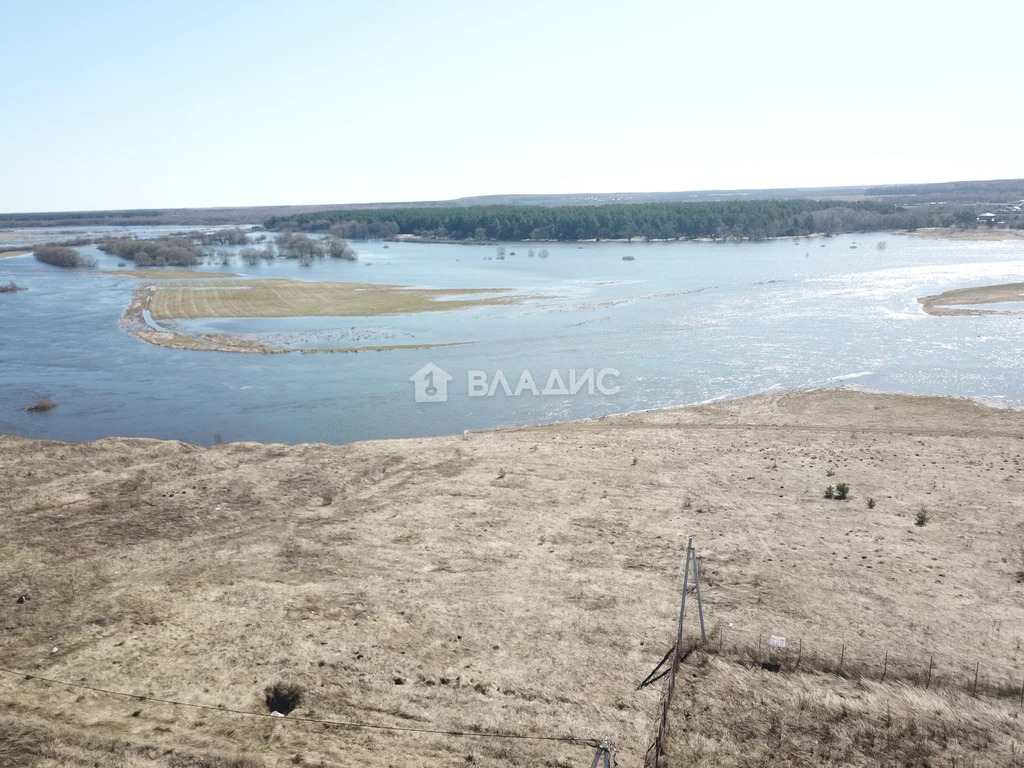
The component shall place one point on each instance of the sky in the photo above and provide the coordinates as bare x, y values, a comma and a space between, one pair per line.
112, 104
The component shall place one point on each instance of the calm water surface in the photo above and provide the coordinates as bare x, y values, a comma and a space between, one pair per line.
682, 323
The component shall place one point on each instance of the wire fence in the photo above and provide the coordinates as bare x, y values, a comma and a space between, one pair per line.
786, 655
778, 653
782, 654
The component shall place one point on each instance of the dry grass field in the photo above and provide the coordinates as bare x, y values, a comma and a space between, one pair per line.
519, 582
185, 299
948, 303
292, 298
729, 715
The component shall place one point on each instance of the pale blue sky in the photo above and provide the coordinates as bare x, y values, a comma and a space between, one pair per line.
136, 104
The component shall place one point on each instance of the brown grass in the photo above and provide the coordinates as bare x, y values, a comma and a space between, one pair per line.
948, 303
291, 298
531, 603
727, 714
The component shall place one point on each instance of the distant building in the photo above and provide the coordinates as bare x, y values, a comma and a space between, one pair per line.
987, 218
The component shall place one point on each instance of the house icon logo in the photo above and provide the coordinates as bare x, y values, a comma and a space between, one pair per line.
431, 384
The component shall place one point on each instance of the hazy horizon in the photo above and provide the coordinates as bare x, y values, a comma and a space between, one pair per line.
485, 195
127, 106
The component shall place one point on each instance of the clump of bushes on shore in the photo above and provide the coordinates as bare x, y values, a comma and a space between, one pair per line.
233, 236
161, 251
840, 492
62, 256
305, 248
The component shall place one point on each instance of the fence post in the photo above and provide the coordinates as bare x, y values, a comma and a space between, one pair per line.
842, 655
1022, 693
700, 603
974, 690
799, 653
682, 603
885, 668
931, 660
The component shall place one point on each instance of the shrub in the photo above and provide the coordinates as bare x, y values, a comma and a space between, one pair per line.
42, 406
501, 473
921, 518
11, 287
62, 256
842, 491
871, 503
160, 251
830, 492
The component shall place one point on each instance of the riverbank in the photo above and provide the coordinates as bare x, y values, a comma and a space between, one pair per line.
957, 302
977, 233
474, 583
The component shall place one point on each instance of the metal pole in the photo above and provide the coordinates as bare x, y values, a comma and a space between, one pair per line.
682, 604
700, 603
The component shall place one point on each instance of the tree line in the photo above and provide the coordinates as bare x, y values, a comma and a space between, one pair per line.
186, 252
748, 219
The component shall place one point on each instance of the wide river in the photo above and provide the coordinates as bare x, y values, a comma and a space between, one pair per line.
681, 323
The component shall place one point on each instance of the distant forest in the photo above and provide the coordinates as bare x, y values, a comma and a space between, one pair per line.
731, 216
1000, 191
753, 219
